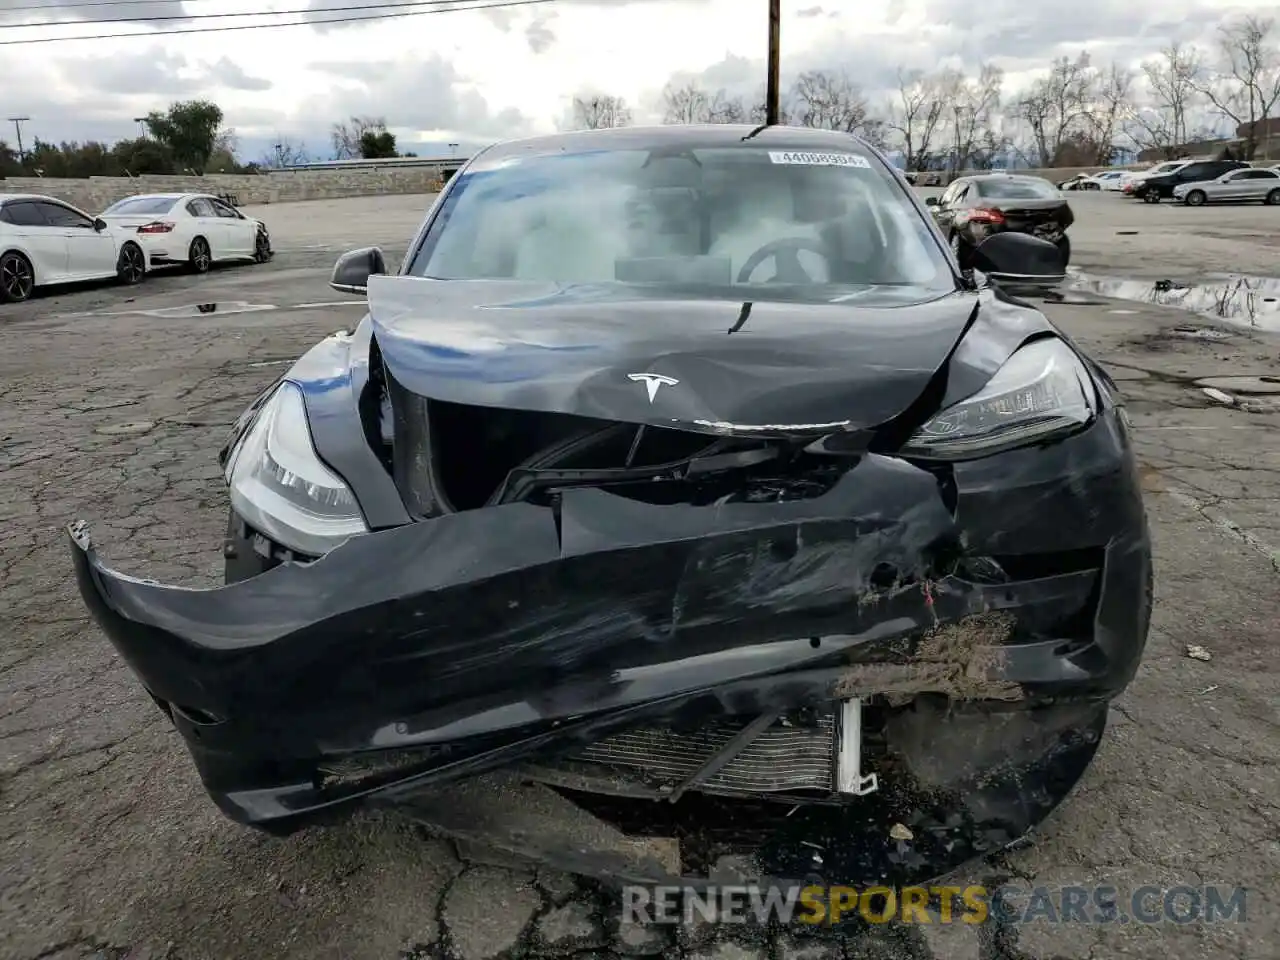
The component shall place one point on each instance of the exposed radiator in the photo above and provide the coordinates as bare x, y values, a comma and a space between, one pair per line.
786, 757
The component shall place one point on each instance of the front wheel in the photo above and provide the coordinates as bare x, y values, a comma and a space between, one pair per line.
17, 278
131, 267
1273, 198
262, 251
1151, 196
1196, 198
962, 250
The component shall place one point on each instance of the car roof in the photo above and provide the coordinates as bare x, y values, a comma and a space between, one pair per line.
689, 136
1024, 178
158, 196
8, 197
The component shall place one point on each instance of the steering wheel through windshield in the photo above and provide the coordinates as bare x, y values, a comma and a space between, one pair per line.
784, 252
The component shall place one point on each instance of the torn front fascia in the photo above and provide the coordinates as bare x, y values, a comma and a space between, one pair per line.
499, 623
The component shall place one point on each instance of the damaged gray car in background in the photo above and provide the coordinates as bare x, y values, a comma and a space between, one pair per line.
679, 499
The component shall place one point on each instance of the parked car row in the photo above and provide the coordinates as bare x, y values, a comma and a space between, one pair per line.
973, 208
1197, 182
45, 241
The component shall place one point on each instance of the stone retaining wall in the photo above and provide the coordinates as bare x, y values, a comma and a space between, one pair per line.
1055, 174
95, 194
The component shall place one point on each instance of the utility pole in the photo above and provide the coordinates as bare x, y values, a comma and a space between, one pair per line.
17, 125
772, 93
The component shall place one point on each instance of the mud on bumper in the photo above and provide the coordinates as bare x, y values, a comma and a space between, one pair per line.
523, 637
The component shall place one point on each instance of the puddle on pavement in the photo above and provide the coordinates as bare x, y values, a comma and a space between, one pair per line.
1201, 333
203, 309
1252, 385
1244, 300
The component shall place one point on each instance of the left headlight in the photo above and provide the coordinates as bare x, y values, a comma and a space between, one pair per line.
1042, 391
280, 487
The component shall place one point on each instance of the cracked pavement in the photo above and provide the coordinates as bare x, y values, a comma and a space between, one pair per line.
111, 848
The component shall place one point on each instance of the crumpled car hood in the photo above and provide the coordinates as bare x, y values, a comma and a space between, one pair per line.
723, 364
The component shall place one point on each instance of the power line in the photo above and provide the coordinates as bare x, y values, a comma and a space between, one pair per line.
93, 3
245, 13
268, 26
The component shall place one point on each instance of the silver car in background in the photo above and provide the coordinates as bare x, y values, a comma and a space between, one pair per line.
1250, 184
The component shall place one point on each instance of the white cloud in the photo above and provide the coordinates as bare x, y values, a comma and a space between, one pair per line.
471, 77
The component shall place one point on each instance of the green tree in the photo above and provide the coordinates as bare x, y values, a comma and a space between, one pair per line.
141, 156
90, 159
10, 166
377, 144
190, 130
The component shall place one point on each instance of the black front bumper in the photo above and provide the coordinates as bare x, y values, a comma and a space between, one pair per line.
512, 635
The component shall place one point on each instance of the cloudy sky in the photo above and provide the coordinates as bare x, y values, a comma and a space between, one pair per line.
475, 76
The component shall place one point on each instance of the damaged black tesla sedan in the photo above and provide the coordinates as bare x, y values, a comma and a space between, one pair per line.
678, 473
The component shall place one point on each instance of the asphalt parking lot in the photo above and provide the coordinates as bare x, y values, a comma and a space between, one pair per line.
112, 405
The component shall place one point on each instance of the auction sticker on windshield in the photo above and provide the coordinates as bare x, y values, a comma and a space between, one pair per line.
819, 159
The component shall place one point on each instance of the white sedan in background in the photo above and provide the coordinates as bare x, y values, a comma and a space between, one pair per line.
1108, 179
43, 241
194, 229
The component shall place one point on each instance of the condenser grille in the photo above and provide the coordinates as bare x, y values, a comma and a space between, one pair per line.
785, 757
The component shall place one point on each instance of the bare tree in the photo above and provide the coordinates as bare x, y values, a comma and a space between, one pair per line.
1162, 123
726, 109
990, 144
596, 111
758, 112
1057, 104
831, 101
971, 108
226, 141
916, 116
346, 137
284, 153
1112, 90
1244, 84
685, 103
689, 103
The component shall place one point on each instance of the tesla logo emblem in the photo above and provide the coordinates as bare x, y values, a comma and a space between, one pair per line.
652, 381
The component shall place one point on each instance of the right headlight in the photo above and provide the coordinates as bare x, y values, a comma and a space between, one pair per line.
282, 489
1042, 391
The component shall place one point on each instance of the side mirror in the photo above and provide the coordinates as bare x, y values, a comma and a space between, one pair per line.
1020, 260
931, 201
352, 271
99, 224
